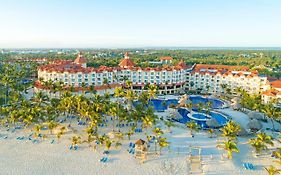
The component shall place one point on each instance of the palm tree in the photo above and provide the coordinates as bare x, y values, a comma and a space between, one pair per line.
231, 130
211, 132
162, 143
52, 125
152, 91
108, 144
129, 84
130, 96
263, 137
147, 122
61, 132
230, 147
130, 133
37, 129
157, 132
169, 124
257, 145
76, 140
193, 127
260, 143
272, 112
40, 98
271, 170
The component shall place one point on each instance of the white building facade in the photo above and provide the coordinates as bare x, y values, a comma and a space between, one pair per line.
170, 79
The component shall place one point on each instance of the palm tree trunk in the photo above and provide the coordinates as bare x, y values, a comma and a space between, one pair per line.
273, 126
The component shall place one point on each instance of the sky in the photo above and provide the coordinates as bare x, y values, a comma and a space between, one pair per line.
139, 23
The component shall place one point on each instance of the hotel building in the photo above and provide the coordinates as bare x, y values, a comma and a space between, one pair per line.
169, 78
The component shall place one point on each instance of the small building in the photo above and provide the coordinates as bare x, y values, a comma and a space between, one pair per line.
166, 60
140, 150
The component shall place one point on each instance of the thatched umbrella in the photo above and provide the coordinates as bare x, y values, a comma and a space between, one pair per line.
255, 115
254, 125
183, 100
213, 123
174, 114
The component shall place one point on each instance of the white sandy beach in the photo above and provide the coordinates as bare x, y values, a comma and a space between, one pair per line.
22, 157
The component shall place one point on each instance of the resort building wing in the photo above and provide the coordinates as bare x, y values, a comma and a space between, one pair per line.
169, 78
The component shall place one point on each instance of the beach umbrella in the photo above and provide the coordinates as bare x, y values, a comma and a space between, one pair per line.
183, 100
213, 123
174, 114
255, 115
254, 124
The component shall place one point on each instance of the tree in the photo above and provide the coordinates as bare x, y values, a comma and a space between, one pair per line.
211, 132
52, 125
130, 133
231, 130
193, 127
271, 170
260, 142
162, 143
108, 144
76, 140
230, 147
169, 124
157, 132
152, 91
272, 112
61, 132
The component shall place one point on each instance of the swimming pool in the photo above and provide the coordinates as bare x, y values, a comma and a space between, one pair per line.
162, 104
201, 118
216, 103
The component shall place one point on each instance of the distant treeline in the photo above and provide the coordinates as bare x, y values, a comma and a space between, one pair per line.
267, 61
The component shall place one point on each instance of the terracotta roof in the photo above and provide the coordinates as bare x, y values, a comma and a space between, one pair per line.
166, 58
220, 67
272, 93
80, 59
276, 84
182, 64
140, 142
126, 62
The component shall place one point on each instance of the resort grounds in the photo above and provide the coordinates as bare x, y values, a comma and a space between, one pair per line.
52, 156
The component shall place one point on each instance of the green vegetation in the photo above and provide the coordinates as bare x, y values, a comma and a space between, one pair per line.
266, 61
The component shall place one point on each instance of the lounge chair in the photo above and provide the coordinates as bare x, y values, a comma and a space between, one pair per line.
248, 166
104, 159
75, 147
35, 141
53, 141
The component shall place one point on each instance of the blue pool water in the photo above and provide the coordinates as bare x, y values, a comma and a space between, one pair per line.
162, 104
183, 112
198, 99
219, 117
199, 116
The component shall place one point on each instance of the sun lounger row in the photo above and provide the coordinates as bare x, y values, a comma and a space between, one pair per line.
131, 145
4, 137
81, 123
71, 117
138, 130
131, 151
62, 120
75, 147
104, 159
248, 166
